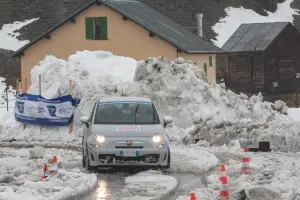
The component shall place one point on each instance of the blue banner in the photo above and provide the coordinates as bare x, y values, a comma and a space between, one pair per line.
37, 110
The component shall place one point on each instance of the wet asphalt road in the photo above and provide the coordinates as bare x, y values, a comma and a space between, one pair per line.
110, 183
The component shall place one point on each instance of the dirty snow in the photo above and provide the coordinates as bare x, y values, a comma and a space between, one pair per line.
9, 34
272, 175
20, 176
228, 25
201, 110
147, 185
195, 160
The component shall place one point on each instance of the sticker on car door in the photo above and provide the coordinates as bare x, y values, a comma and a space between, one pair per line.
128, 128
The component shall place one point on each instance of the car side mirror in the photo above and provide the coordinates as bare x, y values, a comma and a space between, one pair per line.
84, 120
167, 120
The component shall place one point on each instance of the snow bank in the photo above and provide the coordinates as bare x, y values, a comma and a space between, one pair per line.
9, 35
208, 111
273, 175
201, 110
20, 177
236, 16
94, 75
148, 185
185, 159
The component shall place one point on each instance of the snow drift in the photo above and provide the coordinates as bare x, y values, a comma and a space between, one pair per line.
179, 88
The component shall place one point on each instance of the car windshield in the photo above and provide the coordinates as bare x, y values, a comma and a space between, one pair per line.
126, 113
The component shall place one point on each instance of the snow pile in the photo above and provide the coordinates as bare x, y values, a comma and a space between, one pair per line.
200, 110
210, 112
196, 160
93, 74
20, 177
148, 185
228, 25
9, 35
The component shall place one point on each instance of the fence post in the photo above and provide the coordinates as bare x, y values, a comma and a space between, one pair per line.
6, 99
40, 91
70, 92
17, 86
25, 90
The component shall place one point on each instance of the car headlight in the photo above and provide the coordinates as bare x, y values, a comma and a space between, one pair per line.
156, 138
100, 138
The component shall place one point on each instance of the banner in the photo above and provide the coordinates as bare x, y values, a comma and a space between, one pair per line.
35, 109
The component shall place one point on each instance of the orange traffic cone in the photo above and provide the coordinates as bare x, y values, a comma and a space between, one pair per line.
54, 159
45, 170
192, 196
245, 169
224, 193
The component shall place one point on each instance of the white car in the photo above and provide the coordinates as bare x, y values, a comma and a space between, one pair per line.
125, 131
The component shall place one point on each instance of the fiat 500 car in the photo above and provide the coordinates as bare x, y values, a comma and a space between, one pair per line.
125, 131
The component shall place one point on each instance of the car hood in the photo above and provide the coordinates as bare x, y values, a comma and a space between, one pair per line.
127, 130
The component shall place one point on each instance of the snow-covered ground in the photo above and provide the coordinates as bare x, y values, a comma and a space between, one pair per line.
9, 34
273, 175
147, 185
228, 25
21, 171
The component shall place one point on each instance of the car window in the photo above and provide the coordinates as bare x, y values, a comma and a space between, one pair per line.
126, 113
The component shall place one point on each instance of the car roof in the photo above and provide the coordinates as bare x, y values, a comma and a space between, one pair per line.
118, 99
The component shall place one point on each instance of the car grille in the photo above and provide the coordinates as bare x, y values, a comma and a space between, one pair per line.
129, 147
111, 158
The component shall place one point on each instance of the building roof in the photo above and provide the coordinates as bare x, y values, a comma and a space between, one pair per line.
253, 36
149, 19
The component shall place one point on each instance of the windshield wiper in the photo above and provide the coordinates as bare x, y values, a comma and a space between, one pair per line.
135, 113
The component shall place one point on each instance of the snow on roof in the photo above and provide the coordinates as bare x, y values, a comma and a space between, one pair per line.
237, 16
8, 35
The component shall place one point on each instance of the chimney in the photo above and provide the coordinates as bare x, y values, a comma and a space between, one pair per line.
199, 24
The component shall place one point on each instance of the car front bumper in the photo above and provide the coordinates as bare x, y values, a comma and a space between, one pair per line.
115, 157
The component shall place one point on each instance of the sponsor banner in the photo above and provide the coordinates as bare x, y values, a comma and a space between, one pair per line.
37, 110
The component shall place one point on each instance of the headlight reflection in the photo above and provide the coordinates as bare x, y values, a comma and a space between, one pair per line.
102, 191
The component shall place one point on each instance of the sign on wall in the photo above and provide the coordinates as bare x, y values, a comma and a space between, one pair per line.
37, 110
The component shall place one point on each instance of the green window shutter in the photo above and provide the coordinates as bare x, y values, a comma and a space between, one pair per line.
205, 68
89, 28
210, 61
103, 28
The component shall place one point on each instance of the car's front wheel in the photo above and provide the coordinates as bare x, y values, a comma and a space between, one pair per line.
85, 159
168, 163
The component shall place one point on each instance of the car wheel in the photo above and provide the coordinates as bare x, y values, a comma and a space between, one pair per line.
168, 164
169, 160
86, 160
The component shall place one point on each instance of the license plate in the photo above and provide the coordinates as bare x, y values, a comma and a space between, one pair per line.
128, 154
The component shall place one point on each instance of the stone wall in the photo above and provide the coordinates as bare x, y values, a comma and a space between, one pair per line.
10, 68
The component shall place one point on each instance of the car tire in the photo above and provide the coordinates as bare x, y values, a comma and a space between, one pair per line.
85, 159
169, 160
167, 167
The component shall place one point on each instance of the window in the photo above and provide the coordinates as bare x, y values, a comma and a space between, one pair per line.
210, 61
126, 113
205, 68
96, 28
